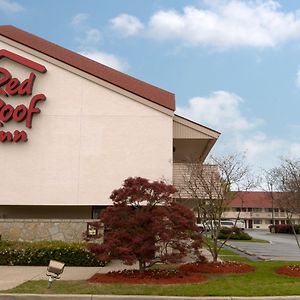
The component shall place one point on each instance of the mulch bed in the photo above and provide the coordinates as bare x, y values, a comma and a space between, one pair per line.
219, 267
148, 277
293, 270
187, 273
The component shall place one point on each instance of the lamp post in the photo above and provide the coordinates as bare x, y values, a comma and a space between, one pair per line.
272, 199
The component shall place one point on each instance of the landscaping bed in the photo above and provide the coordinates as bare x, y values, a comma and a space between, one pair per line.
148, 277
293, 270
187, 273
219, 267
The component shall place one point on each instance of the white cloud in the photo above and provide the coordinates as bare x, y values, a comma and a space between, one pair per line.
10, 7
87, 36
226, 24
221, 110
107, 59
91, 37
298, 78
261, 150
79, 20
126, 24
295, 150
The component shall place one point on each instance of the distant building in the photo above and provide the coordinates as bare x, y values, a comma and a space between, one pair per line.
258, 209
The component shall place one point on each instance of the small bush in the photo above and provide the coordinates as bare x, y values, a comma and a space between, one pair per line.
40, 253
284, 228
234, 233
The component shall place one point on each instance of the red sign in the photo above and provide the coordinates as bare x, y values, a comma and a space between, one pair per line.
11, 86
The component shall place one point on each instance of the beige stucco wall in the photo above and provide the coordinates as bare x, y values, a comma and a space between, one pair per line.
87, 139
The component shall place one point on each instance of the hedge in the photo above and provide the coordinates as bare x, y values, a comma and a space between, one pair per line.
234, 233
40, 253
284, 228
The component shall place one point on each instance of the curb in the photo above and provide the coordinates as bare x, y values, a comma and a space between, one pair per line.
128, 297
246, 252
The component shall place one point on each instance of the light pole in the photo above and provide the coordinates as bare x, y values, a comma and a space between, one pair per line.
271, 186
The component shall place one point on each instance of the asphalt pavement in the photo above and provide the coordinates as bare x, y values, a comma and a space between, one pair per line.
281, 247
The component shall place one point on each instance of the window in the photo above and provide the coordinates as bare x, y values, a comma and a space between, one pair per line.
257, 210
250, 209
268, 210
96, 210
258, 221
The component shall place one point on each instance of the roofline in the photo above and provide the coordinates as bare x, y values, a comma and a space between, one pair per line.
117, 78
198, 124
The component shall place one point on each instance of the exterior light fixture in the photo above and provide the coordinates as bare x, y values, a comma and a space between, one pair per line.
54, 270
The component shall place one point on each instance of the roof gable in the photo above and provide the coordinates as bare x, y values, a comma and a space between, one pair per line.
124, 81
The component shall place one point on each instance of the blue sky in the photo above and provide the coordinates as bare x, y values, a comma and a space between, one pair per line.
233, 65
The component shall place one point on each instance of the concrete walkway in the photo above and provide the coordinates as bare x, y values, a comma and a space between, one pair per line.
12, 276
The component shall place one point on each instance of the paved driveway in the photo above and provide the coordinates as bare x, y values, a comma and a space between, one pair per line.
281, 247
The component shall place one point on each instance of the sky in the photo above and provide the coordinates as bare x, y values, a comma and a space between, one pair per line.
233, 65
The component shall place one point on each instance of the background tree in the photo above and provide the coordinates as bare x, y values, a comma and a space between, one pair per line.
286, 179
212, 188
146, 225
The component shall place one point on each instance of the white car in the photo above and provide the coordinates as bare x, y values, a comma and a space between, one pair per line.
207, 226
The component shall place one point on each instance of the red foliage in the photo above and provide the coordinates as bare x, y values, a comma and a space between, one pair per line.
293, 270
147, 277
146, 225
219, 267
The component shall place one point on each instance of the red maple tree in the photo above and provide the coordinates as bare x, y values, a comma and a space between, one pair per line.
146, 225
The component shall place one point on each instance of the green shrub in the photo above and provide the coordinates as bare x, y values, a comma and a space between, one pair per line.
40, 253
234, 233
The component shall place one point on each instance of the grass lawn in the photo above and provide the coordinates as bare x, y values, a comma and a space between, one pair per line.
262, 282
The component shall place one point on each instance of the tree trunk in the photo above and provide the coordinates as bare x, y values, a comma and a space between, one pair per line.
294, 231
215, 247
142, 266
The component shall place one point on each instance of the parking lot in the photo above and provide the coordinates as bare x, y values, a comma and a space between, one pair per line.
281, 247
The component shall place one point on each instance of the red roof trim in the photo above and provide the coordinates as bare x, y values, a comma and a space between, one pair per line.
23, 61
256, 199
126, 82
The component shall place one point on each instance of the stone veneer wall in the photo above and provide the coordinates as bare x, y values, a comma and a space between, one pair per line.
43, 229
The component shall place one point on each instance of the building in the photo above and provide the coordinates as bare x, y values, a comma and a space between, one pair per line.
258, 209
72, 130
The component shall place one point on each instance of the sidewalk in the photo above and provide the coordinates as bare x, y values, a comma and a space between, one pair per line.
12, 276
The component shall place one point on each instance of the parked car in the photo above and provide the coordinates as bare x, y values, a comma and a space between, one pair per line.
207, 226
201, 227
